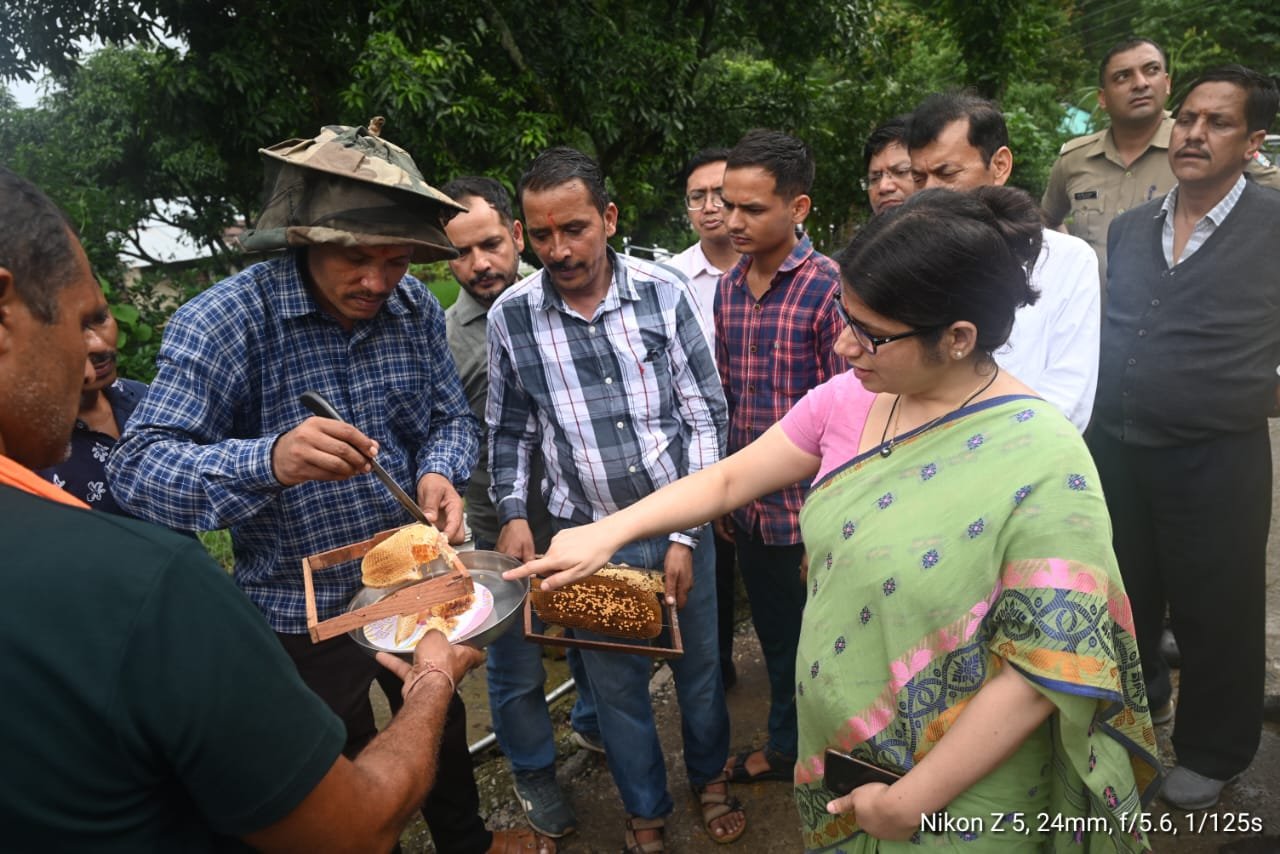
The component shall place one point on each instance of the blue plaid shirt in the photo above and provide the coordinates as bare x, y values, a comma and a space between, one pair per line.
622, 403
196, 454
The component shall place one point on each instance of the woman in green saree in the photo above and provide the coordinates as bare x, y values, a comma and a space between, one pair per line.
966, 626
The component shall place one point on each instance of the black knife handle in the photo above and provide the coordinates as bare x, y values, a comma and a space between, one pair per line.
316, 402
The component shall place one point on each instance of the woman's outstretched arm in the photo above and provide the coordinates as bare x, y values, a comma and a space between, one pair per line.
766, 465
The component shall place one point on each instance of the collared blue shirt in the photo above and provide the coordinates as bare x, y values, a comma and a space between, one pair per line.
197, 453
84, 472
620, 403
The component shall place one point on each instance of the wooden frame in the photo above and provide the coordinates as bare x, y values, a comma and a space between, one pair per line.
406, 600
670, 626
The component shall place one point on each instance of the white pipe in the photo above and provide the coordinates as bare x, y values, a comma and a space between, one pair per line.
490, 740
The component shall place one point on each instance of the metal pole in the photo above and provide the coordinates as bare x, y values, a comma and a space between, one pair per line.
490, 740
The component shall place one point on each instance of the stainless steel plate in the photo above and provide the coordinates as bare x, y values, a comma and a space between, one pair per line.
486, 568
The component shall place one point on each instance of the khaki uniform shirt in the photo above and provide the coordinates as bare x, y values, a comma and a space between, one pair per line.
1090, 186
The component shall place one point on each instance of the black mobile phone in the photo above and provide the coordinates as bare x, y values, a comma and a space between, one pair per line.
844, 773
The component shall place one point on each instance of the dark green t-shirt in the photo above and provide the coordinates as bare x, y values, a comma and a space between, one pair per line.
144, 703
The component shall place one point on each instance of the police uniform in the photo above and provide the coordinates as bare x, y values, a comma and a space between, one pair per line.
1090, 186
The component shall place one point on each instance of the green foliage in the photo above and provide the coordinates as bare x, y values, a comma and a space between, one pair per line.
142, 308
446, 290
1034, 118
438, 279
634, 83
218, 545
75, 148
165, 121
1000, 40
1198, 35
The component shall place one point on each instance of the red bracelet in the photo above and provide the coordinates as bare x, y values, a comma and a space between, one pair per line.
419, 672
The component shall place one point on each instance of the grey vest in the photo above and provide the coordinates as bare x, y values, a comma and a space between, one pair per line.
1190, 353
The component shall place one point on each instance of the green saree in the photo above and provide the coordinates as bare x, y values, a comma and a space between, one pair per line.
979, 543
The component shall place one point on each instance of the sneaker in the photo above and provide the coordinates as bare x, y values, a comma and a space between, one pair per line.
1162, 714
1185, 789
588, 742
544, 804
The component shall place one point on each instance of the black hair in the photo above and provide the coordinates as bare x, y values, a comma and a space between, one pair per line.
894, 130
560, 165
982, 245
1261, 96
783, 156
482, 187
37, 245
1126, 45
702, 158
987, 130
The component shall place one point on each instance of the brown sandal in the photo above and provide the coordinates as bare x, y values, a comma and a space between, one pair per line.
653, 846
715, 806
518, 841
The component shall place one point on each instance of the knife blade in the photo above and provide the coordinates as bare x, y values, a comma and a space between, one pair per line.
316, 402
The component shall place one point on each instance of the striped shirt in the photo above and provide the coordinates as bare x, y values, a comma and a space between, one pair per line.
1205, 227
196, 455
620, 404
770, 352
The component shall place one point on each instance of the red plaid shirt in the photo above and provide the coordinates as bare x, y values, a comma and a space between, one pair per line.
770, 352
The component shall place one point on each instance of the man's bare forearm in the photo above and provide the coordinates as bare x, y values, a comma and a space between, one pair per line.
399, 766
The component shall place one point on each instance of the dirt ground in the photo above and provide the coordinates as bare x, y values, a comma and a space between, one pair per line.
773, 825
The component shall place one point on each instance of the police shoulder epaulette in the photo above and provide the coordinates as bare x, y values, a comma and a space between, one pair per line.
1080, 141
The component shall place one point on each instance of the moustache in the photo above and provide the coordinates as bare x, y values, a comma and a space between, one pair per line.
1192, 150
564, 267
102, 358
490, 280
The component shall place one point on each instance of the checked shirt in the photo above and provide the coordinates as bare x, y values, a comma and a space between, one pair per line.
771, 351
196, 455
620, 404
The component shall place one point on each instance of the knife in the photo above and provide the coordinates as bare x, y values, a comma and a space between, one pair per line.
316, 402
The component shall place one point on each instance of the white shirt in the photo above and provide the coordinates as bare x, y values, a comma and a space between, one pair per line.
703, 277
1054, 344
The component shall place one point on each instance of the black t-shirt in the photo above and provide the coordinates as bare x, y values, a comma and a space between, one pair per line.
146, 705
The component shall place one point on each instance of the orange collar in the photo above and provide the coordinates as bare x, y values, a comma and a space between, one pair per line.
21, 477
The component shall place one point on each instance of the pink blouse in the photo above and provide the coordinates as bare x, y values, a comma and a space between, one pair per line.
828, 421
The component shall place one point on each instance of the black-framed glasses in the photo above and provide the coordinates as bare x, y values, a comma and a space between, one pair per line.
699, 199
866, 340
898, 171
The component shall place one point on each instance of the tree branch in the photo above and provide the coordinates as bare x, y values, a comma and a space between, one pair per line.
508, 41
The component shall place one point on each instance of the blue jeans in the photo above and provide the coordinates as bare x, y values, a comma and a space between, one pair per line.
620, 683
771, 575
517, 699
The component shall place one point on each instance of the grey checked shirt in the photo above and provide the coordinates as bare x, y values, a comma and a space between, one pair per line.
621, 403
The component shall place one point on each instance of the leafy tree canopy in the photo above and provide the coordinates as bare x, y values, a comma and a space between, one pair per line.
166, 119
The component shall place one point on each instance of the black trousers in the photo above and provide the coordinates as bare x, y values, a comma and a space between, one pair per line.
771, 575
341, 673
1190, 529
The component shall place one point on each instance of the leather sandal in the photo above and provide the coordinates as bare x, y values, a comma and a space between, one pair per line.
780, 767
521, 841
717, 805
653, 846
